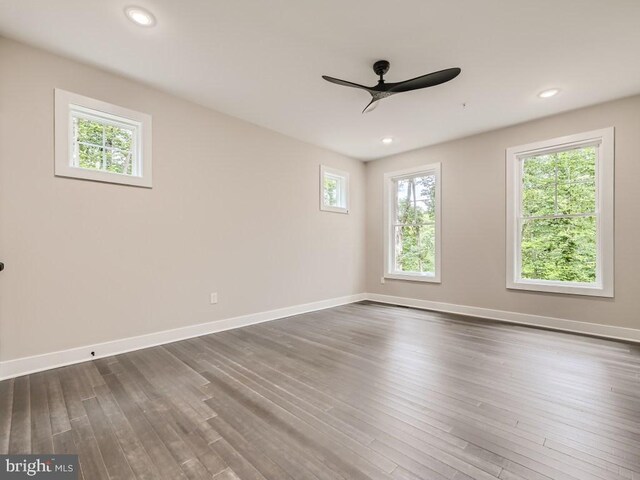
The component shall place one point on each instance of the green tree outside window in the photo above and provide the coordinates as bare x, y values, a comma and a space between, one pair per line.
558, 216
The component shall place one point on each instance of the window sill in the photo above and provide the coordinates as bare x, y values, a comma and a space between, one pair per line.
101, 176
413, 277
557, 287
334, 209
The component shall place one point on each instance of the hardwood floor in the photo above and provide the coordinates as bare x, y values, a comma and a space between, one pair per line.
355, 392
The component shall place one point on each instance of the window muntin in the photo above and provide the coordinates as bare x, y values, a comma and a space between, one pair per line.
95, 140
334, 190
558, 218
104, 144
414, 224
413, 216
560, 215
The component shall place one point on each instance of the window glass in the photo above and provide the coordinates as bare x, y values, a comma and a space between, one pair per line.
412, 242
558, 216
103, 146
334, 190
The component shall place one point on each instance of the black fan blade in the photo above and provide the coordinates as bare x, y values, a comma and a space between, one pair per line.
345, 83
424, 81
371, 106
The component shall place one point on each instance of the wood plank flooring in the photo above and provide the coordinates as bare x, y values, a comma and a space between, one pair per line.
362, 391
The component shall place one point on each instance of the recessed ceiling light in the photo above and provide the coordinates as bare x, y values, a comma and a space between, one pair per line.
140, 16
552, 92
387, 140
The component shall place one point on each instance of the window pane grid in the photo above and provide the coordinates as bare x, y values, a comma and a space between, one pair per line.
103, 145
558, 219
98, 141
414, 224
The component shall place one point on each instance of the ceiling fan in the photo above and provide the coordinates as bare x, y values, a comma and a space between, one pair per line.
384, 90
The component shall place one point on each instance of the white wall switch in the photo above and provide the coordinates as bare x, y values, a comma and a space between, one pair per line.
382, 280
214, 298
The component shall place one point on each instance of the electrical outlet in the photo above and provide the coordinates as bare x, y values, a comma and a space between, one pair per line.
382, 280
214, 298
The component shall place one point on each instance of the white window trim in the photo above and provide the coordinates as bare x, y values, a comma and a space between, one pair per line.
603, 286
336, 173
64, 103
389, 213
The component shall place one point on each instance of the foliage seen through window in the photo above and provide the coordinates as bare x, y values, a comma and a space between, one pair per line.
102, 146
558, 216
415, 224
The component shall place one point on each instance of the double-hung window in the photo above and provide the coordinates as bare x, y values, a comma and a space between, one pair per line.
99, 141
560, 215
412, 223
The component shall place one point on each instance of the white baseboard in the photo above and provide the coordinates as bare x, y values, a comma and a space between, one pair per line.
573, 326
37, 363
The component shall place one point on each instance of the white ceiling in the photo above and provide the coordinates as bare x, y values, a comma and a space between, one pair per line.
262, 60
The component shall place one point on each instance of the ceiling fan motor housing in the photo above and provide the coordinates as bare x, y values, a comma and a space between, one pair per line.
381, 67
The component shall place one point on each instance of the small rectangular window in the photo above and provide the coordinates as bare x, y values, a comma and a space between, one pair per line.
334, 190
560, 215
103, 142
412, 218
